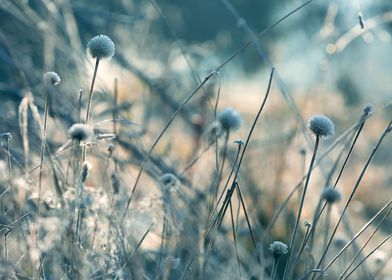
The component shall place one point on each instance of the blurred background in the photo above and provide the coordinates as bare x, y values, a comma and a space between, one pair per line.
332, 58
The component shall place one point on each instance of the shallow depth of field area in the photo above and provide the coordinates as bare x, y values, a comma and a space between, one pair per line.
209, 139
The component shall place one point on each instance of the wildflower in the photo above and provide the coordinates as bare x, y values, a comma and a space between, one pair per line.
278, 248
331, 195
230, 119
79, 132
52, 78
321, 126
101, 46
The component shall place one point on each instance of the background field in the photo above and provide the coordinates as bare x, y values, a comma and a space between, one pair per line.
74, 227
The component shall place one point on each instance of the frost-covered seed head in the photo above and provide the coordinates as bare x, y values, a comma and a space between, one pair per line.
331, 195
321, 126
52, 78
230, 119
79, 132
168, 179
101, 46
278, 248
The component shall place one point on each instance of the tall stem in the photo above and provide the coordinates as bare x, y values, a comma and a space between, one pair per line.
291, 249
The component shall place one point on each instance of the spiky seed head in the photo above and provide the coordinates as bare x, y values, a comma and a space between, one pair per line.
230, 119
79, 132
331, 195
278, 248
321, 126
51, 79
101, 46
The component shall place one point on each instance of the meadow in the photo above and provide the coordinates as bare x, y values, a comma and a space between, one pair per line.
254, 143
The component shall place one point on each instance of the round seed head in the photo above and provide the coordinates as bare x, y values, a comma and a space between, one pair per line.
340, 241
168, 180
101, 46
331, 195
278, 248
230, 119
52, 78
321, 126
79, 132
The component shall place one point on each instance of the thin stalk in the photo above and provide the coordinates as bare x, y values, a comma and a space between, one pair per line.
274, 268
327, 225
90, 98
366, 243
368, 255
248, 222
291, 247
389, 203
308, 228
359, 180
43, 143
235, 239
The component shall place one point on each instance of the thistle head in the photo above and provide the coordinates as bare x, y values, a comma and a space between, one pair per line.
101, 46
230, 119
51, 79
278, 248
321, 126
331, 195
79, 132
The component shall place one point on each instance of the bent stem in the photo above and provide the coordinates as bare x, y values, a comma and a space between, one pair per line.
288, 265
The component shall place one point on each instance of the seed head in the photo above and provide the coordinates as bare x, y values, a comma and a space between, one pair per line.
230, 119
101, 46
168, 179
79, 132
321, 126
278, 248
331, 195
52, 78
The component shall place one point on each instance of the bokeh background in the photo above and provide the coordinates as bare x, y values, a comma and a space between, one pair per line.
326, 61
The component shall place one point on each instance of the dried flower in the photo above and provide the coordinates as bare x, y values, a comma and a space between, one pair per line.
321, 126
101, 46
278, 248
52, 78
230, 119
79, 132
331, 195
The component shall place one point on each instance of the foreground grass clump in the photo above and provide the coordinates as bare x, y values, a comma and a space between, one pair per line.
194, 186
